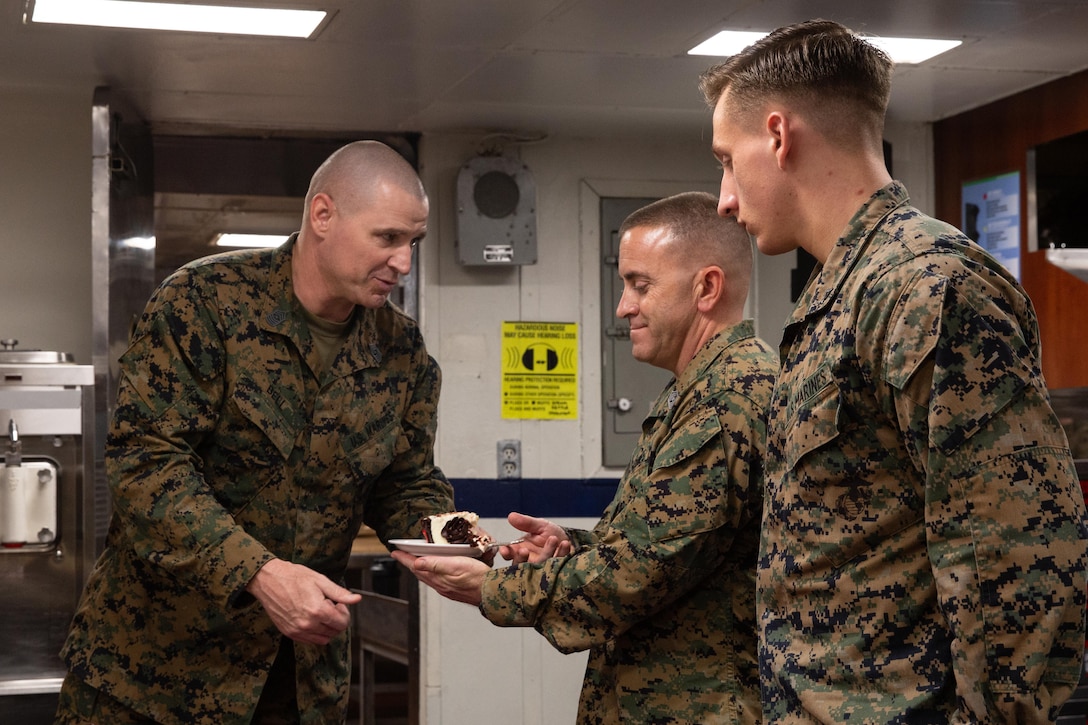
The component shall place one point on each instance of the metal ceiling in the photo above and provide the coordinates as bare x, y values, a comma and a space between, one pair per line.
535, 66
531, 67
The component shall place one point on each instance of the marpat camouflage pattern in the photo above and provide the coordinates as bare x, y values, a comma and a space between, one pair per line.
227, 449
662, 591
923, 554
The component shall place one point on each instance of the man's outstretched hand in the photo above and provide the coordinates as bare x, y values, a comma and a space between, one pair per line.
542, 540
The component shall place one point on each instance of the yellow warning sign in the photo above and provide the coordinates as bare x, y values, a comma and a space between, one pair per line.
540, 370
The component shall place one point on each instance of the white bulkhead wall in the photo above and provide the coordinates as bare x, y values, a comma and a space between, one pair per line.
462, 308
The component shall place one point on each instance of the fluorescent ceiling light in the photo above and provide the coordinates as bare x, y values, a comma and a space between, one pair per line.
913, 50
138, 242
176, 16
231, 239
727, 42
900, 50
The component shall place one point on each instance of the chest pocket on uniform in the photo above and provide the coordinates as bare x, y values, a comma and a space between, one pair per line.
686, 498
688, 443
815, 419
369, 450
264, 411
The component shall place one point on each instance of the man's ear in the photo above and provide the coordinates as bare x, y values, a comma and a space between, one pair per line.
320, 212
780, 136
709, 288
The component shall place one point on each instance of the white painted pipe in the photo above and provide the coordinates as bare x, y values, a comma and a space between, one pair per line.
13, 506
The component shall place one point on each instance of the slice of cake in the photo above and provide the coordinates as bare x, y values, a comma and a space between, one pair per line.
457, 527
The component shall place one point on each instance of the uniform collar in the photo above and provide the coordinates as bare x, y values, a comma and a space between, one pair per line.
279, 313
282, 314
827, 279
703, 359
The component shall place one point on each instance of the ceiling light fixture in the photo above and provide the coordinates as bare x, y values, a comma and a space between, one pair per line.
234, 239
911, 51
900, 50
727, 42
280, 22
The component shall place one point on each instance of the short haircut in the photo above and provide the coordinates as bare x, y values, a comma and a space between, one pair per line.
701, 236
837, 78
354, 172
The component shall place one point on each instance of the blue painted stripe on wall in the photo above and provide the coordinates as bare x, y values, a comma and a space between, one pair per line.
544, 497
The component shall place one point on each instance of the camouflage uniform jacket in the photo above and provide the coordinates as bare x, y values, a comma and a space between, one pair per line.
923, 552
226, 450
662, 590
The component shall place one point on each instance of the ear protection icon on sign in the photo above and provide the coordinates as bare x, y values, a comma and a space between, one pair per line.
539, 356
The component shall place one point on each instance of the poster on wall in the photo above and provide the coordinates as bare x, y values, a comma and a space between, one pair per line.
991, 217
540, 370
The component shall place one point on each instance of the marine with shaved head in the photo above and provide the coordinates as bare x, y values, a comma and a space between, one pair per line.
270, 403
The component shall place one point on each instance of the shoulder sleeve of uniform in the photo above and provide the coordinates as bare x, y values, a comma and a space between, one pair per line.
175, 329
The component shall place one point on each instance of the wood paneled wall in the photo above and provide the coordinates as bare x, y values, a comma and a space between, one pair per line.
995, 139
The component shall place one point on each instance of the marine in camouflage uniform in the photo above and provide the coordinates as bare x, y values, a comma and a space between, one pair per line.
234, 443
924, 544
662, 590
923, 553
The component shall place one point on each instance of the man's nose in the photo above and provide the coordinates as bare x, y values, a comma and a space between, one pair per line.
625, 308
727, 203
402, 260
727, 198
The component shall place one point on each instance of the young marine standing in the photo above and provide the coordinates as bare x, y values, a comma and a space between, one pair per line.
923, 548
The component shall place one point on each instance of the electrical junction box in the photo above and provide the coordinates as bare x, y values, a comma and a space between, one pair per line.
496, 212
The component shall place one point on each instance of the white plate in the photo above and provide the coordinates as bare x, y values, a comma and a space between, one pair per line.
422, 547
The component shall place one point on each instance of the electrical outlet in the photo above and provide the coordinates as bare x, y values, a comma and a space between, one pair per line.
509, 454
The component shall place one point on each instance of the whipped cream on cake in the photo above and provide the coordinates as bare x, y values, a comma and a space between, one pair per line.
456, 527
